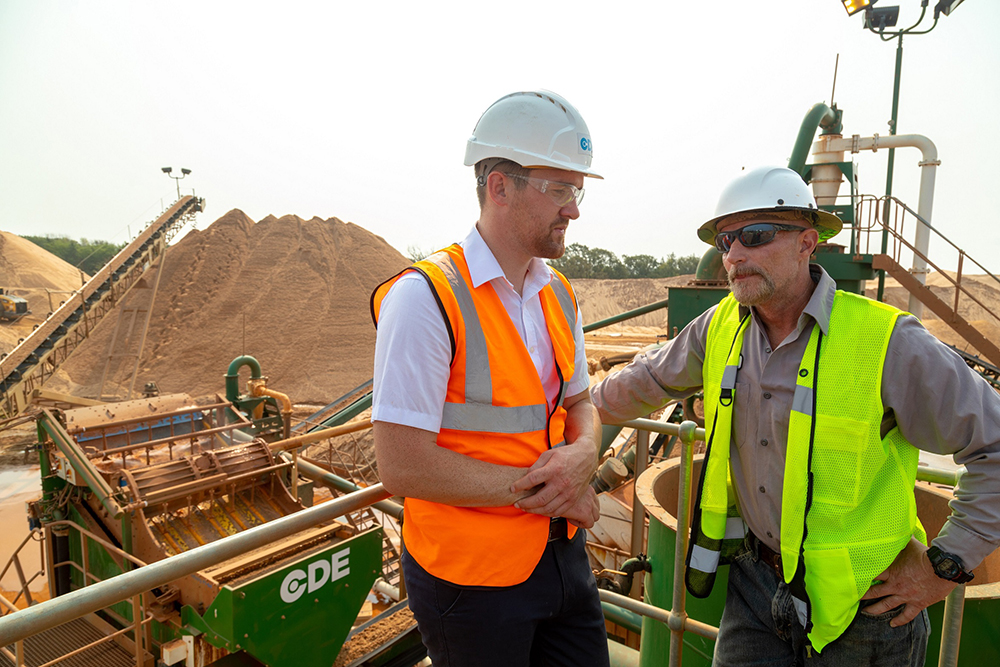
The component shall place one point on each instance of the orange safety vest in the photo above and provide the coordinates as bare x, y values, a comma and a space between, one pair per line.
495, 410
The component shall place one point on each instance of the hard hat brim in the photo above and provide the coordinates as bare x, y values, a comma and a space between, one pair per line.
827, 224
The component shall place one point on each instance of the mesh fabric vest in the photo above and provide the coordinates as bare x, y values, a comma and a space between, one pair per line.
496, 411
847, 498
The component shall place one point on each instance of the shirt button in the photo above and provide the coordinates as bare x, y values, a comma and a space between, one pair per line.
768, 350
767, 394
763, 443
769, 534
761, 489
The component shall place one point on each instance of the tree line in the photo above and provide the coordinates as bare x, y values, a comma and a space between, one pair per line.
579, 261
84, 254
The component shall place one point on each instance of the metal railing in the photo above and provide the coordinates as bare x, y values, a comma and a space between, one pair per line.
872, 229
676, 618
142, 641
15, 627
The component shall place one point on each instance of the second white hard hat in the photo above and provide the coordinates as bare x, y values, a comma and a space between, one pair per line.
768, 189
535, 129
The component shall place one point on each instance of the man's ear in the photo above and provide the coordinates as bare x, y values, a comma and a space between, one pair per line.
496, 188
809, 241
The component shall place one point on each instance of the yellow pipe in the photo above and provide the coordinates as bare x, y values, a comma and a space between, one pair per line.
316, 436
258, 388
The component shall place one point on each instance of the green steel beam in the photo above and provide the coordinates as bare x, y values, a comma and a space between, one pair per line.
627, 315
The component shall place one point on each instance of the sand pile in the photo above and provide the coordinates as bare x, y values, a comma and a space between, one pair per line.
27, 271
600, 299
302, 286
984, 288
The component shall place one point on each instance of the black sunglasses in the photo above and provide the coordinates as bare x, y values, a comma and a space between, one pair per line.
756, 234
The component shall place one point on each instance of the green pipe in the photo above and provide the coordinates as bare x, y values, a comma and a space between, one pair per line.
939, 476
710, 266
317, 474
345, 415
233, 375
621, 655
819, 116
627, 315
629, 620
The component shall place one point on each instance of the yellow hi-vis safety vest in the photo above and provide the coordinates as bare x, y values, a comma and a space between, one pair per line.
848, 506
496, 411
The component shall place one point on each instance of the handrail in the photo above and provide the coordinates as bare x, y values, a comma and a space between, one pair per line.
45, 615
677, 619
876, 204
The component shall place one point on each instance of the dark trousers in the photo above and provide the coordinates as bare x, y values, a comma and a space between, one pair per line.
553, 618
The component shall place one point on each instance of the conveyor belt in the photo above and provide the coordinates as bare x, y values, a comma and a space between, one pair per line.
38, 356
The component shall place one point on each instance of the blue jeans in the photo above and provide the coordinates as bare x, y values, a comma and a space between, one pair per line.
552, 619
759, 627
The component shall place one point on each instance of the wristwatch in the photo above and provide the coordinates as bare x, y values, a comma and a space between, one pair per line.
948, 566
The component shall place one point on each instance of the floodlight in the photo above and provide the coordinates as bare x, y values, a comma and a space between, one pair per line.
185, 171
881, 18
167, 170
945, 7
855, 6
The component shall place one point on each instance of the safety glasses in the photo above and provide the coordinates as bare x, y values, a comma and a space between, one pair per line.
759, 233
560, 193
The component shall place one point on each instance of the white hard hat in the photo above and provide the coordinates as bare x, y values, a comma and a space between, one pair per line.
535, 129
767, 189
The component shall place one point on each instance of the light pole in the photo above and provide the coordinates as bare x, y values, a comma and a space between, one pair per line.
877, 19
184, 172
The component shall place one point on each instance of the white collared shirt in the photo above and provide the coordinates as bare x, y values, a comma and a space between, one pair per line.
413, 351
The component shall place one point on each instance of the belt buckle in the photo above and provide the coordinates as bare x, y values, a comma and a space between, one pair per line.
557, 529
776, 564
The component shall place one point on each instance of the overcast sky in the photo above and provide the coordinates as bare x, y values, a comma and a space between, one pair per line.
361, 110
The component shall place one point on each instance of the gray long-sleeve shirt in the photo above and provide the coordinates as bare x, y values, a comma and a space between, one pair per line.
939, 403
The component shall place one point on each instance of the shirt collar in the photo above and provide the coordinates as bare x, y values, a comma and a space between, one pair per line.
820, 305
484, 267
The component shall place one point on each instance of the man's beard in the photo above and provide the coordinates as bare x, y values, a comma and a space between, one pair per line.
544, 246
751, 293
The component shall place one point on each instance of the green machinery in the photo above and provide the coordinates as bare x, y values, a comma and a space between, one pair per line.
134, 483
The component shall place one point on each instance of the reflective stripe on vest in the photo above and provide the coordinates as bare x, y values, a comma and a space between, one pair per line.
847, 496
495, 412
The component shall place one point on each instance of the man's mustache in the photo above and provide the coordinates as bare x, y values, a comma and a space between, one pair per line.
743, 270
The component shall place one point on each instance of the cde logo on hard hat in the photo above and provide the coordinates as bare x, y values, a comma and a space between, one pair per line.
585, 145
317, 574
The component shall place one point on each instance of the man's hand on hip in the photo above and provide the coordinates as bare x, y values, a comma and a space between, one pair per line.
910, 580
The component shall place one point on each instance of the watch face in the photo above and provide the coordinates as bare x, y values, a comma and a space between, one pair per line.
948, 568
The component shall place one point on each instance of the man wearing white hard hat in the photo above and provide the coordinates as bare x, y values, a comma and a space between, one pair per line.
481, 411
816, 403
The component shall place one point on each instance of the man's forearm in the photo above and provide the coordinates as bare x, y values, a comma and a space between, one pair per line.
583, 425
412, 465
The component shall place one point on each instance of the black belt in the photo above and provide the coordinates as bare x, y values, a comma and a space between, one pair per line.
764, 553
557, 529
